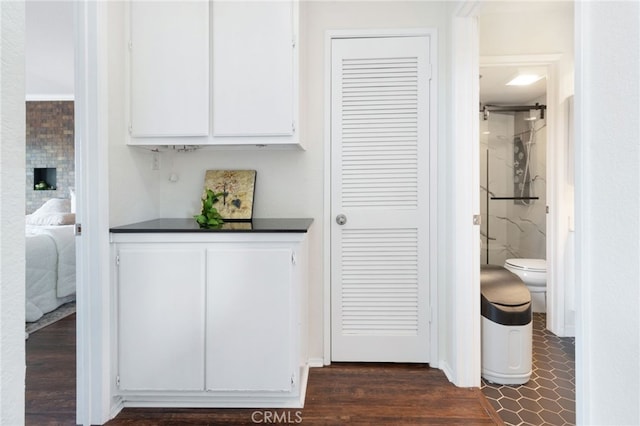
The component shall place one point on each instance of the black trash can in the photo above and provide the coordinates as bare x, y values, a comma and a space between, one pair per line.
506, 326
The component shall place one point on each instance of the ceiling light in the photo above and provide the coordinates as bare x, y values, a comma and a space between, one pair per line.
524, 80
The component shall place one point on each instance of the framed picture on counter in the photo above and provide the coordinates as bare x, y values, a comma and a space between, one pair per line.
237, 188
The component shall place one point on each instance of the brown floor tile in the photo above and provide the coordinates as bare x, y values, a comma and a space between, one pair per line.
549, 396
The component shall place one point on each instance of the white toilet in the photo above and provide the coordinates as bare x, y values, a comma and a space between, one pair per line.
533, 272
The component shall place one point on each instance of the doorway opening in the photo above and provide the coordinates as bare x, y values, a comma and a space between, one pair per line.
50, 149
524, 168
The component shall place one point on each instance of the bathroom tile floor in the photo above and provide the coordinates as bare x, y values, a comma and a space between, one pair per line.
549, 396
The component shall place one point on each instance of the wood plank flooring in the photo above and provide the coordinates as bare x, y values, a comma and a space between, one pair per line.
372, 394
50, 397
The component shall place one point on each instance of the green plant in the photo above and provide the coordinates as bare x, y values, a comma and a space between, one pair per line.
42, 185
209, 217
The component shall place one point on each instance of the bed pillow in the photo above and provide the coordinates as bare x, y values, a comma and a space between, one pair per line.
51, 219
56, 211
55, 205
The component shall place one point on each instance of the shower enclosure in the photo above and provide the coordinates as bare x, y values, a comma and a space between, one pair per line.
512, 182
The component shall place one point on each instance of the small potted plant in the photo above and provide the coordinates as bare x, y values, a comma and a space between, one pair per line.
209, 217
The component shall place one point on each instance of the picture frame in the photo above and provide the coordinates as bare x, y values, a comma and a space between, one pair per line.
237, 188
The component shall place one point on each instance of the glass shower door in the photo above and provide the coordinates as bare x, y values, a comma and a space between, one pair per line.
513, 186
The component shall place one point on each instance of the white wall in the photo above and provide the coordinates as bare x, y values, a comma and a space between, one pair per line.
289, 183
49, 50
133, 188
608, 212
12, 201
526, 27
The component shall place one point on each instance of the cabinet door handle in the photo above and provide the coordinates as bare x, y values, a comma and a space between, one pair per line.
341, 219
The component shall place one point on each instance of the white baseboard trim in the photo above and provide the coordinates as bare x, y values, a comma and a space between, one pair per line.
316, 362
116, 407
304, 380
295, 398
569, 331
447, 371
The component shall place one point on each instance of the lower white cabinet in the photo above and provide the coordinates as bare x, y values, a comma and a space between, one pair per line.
249, 324
210, 319
161, 317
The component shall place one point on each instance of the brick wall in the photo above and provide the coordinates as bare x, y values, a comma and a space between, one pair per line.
50, 143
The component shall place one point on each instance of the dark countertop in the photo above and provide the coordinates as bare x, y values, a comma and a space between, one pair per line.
175, 225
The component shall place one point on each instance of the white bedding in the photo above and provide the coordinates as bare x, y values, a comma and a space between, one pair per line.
50, 268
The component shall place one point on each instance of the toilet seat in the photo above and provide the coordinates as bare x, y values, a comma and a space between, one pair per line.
532, 265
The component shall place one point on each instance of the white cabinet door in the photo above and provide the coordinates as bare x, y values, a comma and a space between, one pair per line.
169, 68
253, 68
249, 325
161, 317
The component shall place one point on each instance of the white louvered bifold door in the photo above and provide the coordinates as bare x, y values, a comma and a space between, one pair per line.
379, 169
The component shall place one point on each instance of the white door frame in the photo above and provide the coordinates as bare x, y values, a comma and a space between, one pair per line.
93, 352
433, 182
462, 365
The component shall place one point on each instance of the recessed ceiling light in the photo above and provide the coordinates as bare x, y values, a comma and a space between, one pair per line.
524, 80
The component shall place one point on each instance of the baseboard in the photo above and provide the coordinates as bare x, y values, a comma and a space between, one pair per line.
116, 407
294, 398
569, 331
447, 371
316, 362
304, 380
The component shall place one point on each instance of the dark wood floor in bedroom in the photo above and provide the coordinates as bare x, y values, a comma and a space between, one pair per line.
50, 397
382, 394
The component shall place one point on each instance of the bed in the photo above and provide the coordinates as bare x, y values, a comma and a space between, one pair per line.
50, 258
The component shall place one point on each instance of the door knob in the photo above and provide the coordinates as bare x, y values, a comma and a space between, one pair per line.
341, 219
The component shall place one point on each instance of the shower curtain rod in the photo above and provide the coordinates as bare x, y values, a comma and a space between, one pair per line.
515, 108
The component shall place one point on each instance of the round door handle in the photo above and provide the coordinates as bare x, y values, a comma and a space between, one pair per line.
341, 219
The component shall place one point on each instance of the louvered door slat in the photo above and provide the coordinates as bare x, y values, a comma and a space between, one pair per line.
379, 113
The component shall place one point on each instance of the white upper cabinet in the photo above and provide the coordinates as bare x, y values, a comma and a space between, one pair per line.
169, 66
253, 69
244, 51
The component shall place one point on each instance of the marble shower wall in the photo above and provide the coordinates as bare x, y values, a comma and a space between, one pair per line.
512, 228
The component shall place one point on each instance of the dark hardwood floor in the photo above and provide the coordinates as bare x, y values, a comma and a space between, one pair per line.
371, 394
50, 397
